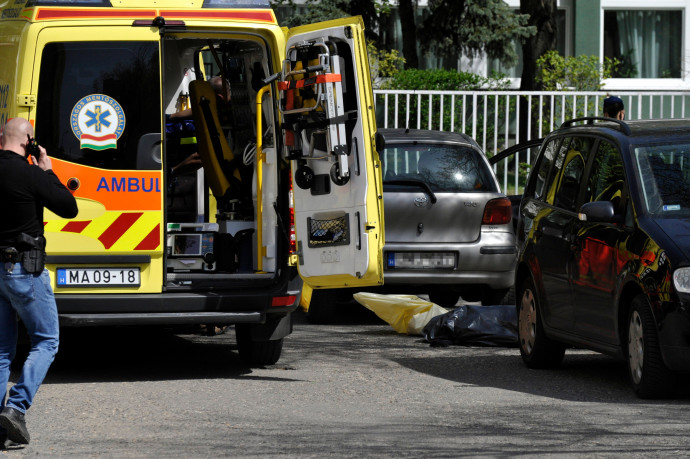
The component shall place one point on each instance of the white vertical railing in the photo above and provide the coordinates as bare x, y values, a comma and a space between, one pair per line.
496, 119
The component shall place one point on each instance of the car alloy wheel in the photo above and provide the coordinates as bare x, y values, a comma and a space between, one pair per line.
635, 347
648, 374
537, 350
527, 321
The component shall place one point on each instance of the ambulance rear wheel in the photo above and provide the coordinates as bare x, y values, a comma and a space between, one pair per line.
256, 353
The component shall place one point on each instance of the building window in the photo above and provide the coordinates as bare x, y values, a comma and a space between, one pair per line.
648, 43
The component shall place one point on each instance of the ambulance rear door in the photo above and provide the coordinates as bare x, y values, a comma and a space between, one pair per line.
328, 126
98, 113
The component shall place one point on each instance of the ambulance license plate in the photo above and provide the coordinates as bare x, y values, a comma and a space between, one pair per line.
98, 277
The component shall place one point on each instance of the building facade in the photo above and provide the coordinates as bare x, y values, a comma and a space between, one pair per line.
650, 38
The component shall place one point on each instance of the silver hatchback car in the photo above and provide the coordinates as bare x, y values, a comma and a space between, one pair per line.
448, 227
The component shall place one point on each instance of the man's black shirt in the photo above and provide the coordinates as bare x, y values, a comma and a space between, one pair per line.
25, 189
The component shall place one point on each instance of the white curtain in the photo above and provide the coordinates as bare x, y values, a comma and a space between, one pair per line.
653, 40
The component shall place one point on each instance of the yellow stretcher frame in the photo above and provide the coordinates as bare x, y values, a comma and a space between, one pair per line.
210, 137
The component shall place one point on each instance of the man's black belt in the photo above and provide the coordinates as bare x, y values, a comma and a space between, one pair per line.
10, 255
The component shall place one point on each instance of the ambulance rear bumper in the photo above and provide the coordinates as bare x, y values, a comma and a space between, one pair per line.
189, 318
169, 309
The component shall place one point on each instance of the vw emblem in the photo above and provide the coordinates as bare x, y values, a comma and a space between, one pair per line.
420, 201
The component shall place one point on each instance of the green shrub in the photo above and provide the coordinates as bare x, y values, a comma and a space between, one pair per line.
383, 64
578, 73
444, 80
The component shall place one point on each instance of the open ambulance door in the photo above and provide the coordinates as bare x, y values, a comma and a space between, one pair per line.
328, 128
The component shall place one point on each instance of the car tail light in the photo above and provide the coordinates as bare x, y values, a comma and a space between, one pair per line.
497, 212
293, 234
283, 300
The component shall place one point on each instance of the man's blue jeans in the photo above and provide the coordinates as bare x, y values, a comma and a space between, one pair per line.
30, 297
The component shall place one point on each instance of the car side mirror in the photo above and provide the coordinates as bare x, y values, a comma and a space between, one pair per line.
599, 211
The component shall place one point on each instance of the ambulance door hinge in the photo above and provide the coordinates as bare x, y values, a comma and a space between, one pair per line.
300, 253
26, 100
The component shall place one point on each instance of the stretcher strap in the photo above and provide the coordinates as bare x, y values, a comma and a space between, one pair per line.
318, 79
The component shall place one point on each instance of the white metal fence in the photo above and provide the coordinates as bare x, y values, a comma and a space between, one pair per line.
500, 119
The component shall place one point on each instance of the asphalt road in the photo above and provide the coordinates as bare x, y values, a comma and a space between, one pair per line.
352, 389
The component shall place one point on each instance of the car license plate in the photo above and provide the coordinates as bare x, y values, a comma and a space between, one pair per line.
98, 277
421, 260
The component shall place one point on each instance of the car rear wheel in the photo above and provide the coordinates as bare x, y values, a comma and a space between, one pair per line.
536, 349
444, 298
256, 353
649, 376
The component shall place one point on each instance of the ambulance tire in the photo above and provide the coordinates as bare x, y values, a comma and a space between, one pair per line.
256, 353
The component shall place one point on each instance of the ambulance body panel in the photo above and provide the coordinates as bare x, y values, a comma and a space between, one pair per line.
103, 82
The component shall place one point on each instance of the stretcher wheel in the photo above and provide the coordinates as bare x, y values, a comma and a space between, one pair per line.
304, 177
335, 175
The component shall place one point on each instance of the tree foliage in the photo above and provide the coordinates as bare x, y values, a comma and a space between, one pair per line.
312, 11
451, 27
316, 11
472, 27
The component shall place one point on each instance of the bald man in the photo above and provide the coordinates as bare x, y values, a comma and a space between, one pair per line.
25, 290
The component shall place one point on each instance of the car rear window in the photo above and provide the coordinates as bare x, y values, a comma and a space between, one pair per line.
445, 168
665, 177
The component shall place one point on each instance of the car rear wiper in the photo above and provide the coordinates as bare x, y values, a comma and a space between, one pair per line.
411, 182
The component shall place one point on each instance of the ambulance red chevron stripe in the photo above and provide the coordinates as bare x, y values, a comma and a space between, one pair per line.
128, 231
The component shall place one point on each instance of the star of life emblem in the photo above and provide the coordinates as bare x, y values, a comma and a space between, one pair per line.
98, 121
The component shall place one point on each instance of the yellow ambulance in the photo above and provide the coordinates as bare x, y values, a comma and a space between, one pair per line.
202, 141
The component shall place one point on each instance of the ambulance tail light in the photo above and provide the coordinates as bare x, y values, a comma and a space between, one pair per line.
293, 233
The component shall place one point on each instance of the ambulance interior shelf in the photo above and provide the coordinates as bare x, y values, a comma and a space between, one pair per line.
311, 91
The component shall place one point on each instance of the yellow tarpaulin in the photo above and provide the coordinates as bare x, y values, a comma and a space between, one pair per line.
405, 313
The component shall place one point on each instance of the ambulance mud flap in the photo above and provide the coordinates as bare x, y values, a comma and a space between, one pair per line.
275, 328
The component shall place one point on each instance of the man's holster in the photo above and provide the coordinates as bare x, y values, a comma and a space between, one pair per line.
32, 252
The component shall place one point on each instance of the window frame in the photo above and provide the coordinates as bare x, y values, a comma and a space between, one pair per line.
622, 207
669, 84
584, 157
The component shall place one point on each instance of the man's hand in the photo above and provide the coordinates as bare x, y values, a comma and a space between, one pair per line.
43, 160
